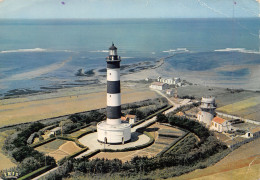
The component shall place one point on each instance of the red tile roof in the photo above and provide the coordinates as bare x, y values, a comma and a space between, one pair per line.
123, 118
218, 120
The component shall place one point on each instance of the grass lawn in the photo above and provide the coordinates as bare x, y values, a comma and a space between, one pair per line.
79, 132
51, 146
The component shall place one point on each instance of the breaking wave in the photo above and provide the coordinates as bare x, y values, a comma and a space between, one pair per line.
98, 51
33, 50
178, 50
242, 50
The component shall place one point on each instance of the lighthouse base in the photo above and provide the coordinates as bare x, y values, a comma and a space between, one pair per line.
113, 134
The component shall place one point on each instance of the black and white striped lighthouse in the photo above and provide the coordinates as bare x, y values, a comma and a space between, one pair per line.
113, 87
112, 131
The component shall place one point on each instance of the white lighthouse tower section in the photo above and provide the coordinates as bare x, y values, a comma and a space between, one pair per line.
113, 131
207, 112
113, 74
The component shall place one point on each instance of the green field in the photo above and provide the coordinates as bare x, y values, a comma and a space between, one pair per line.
79, 132
51, 146
248, 108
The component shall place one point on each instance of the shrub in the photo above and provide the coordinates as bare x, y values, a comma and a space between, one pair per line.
161, 118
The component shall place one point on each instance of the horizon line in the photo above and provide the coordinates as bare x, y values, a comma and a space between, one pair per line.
130, 18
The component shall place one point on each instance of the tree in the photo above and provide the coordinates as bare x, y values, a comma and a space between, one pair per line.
161, 118
139, 114
29, 164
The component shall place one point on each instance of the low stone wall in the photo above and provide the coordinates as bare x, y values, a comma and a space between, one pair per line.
238, 144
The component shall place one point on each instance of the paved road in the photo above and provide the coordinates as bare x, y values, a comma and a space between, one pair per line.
143, 124
91, 142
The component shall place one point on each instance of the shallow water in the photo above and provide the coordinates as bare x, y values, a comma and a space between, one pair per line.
29, 47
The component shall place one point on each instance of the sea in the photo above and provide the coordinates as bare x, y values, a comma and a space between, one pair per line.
39, 55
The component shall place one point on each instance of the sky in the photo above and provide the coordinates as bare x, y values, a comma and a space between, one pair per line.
88, 9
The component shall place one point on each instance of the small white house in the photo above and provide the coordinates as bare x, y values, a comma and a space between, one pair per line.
147, 79
220, 125
131, 118
177, 80
158, 86
54, 131
169, 92
170, 81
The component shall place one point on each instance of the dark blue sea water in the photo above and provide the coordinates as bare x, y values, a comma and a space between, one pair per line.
47, 53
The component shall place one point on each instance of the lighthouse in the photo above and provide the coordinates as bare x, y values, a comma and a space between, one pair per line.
207, 112
112, 131
113, 87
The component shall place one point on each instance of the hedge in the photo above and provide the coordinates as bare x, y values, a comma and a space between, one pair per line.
65, 138
79, 128
36, 172
168, 135
152, 115
42, 142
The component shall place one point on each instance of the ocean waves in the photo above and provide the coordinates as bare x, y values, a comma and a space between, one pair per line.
241, 50
178, 50
99, 51
33, 50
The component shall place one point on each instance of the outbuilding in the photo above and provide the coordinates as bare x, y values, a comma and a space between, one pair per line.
158, 86
219, 124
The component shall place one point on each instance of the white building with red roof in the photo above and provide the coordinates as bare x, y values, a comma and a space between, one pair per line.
219, 124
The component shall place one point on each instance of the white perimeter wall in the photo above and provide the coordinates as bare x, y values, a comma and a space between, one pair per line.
114, 136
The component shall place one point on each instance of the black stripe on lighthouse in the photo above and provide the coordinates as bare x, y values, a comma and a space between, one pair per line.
113, 112
113, 87
113, 64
